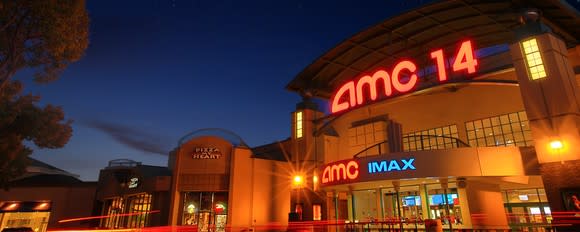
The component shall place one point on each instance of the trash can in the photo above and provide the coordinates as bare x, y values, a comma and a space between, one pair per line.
433, 225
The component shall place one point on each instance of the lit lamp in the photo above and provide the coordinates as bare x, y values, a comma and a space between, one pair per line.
556, 146
547, 88
297, 181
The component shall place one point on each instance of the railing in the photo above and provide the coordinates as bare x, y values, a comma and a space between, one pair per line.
371, 147
458, 143
392, 225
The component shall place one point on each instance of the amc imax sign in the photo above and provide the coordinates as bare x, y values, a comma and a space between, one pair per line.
391, 165
360, 170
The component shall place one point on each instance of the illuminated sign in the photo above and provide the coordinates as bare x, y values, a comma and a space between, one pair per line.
402, 79
206, 153
133, 182
340, 171
220, 208
391, 165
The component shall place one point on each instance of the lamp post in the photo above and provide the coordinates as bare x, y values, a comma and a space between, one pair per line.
297, 182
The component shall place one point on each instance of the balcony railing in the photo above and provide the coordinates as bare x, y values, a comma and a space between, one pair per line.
457, 142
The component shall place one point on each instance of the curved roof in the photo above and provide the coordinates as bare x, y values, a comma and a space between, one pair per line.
438, 25
228, 135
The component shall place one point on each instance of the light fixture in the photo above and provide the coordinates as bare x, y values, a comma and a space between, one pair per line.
42, 206
191, 208
12, 206
556, 145
297, 180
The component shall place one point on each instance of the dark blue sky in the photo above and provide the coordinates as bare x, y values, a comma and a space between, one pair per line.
157, 69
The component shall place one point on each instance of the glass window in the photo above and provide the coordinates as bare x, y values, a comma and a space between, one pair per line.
533, 59
525, 206
444, 204
299, 124
502, 130
431, 139
366, 205
139, 207
205, 209
522, 196
366, 136
316, 212
113, 208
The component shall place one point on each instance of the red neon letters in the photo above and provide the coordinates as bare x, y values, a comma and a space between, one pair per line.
354, 90
340, 171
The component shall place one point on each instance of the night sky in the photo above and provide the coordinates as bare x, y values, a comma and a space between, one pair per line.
156, 70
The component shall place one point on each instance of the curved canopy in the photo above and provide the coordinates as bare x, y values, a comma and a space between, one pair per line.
228, 135
438, 25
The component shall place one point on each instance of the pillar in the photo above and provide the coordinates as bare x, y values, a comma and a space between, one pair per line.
552, 101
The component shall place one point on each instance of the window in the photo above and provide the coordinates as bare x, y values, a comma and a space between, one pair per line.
432, 139
316, 212
299, 124
503, 130
113, 208
525, 206
298, 210
367, 135
445, 204
365, 202
533, 59
139, 207
205, 209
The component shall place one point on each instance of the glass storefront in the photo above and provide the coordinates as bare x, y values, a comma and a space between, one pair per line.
527, 208
130, 212
444, 205
113, 208
412, 204
38, 221
207, 210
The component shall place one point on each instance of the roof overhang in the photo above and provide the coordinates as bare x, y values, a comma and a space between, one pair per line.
437, 25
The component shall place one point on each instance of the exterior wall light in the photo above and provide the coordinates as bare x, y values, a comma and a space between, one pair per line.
556, 145
297, 180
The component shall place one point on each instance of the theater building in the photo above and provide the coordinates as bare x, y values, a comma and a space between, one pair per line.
456, 111
463, 111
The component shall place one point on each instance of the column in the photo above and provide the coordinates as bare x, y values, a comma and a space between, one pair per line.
552, 101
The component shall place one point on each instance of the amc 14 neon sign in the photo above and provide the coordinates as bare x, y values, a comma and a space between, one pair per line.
465, 60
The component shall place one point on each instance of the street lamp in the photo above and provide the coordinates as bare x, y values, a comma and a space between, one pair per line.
297, 180
297, 183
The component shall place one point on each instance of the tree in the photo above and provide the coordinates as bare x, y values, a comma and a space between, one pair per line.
43, 35
21, 120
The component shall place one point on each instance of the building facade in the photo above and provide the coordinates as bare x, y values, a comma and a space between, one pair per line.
44, 196
132, 195
458, 111
453, 111
221, 183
